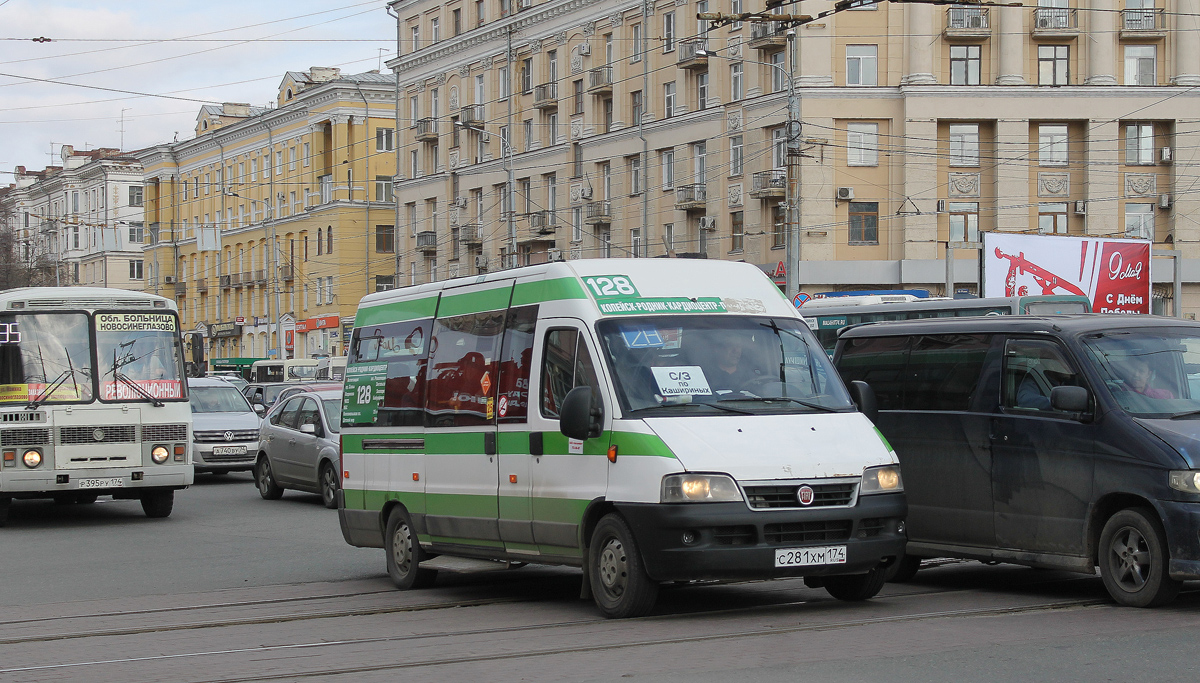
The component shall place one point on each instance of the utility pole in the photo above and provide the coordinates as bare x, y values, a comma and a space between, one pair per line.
512, 185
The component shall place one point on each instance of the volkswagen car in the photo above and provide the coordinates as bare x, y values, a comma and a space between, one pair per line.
224, 427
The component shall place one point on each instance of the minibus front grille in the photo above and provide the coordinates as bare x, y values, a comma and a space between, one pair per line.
824, 495
733, 535
164, 432
807, 532
97, 434
24, 437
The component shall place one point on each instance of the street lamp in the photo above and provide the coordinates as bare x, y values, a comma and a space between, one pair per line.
506, 144
268, 217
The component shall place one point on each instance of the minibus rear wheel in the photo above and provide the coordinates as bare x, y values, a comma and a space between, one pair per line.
620, 585
404, 553
1133, 560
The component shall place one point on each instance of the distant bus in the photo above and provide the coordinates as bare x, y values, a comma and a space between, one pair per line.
827, 316
239, 365
290, 370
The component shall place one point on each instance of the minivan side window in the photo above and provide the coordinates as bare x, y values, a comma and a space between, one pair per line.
566, 363
462, 375
387, 368
943, 371
1032, 367
880, 362
516, 355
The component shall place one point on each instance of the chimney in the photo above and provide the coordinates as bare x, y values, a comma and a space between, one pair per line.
239, 110
323, 74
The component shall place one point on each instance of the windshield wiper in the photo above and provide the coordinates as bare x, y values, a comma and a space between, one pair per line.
806, 404
37, 400
728, 409
1185, 413
122, 377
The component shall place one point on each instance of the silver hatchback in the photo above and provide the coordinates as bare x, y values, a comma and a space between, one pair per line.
298, 447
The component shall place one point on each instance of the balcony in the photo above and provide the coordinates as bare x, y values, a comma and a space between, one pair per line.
427, 130
260, 276
427, 242
235, 279
472, 233
691, 197
1145, 24
692, 54
600, 80
767, 35
285, 273
247, 280
224, 281
769, 184
471, 115
543, 222
598, 213
201, 285
545, 97
967, 23
1055, 22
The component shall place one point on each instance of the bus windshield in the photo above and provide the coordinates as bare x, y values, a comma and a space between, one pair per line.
138, 357
725, 364
45, 359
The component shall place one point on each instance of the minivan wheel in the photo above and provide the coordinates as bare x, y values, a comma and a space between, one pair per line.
264, 478
329, 486
1133, 560
856, 587
404, 553
620, 586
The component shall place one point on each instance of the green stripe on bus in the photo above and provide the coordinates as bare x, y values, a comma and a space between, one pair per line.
463, 504
413, 501
511, 442
566, 510
494, 299
547, 290
397, 311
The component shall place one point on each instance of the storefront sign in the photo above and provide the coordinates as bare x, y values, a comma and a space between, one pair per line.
224, 330
318, 323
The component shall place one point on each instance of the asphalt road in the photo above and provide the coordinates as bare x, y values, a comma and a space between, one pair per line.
233, 588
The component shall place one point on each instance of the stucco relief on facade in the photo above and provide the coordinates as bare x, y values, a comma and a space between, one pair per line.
1140, 184
576, 128
1054, 184
735, 195
453, 97
733, 120
464, 71
964, 185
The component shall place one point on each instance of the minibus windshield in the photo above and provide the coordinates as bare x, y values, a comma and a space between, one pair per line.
737, 364
1153, 372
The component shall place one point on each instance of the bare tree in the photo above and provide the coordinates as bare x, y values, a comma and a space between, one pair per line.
22, 264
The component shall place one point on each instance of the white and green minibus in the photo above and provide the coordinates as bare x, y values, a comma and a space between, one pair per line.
647, 420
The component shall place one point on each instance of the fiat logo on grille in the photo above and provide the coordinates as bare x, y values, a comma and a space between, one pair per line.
98, 434
805, 495
229, 436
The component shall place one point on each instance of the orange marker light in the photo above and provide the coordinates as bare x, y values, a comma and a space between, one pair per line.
416, 476
612, 453
345, 474
512, 478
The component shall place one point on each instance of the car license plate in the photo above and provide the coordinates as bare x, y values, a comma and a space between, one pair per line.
804, 557
229, 450
113, 483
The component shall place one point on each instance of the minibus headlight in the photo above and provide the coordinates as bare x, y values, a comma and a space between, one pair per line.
884, 479
1186, 481
32, 457
699, 488
159, 454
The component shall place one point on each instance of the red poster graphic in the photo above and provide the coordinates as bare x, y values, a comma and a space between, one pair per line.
1123, 279
158, 388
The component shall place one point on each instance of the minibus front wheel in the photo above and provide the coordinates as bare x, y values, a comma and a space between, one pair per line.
620, 585
404, 553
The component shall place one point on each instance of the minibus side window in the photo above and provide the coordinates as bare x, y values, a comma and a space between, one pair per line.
515, 358
404, 348
463, 363
1032, 367
566, 364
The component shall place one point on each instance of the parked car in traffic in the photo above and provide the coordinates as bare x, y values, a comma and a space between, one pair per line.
1065, 442
299, 446
271, 393
231, 377
224, 427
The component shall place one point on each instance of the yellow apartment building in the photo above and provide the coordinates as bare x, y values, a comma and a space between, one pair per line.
630, 128
270, 224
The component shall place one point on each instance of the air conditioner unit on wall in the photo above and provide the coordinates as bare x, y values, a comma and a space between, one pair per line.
585, 192
1164, 201
845, 193
169, 279
585, 49
941, 206
1080, 207
708, 222
481, 262
1164, 155
460, 202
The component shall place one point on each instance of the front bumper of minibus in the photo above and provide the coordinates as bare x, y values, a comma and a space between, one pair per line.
714, 541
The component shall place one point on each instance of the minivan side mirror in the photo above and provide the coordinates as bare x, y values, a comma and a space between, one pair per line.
577, 419
1069, 399
864, 397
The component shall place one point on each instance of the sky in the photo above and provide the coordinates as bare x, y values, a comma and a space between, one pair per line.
196, 52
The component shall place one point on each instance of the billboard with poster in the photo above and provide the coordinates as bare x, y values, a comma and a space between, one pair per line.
1114, 274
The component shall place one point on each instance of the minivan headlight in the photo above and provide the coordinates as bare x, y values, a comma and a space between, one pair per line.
883, 479
699, 488
1185, 480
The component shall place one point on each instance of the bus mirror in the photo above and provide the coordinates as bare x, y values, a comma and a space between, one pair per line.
864, 397
577, 419
1069, 399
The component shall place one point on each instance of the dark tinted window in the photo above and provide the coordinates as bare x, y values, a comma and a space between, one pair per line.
515, 359
288, 414
566, 363
943, 371
310, 415
1032, 367
462, 375
385, 375
880, 362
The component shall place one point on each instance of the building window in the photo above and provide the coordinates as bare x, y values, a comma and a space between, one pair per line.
385, 239
737, 231
526, 75
862, 64
668, 32
862, 144
702, 91
778, 74
1052, 218
415, 38
435, 33
666, 159
737, 87
1140, 65
700, 158
135, 195
456, 21
635, 99
1053, 64
669, 99
1052, 145
669, 236
778, 147
608, 49
964, 221
964, 144
635, 174
384, 140
383, 188
735, 155
1139, 221
778, 227
637, 43
577, 96
137, 233
278, 164
552, 128
577, 224
385, 282
964, 65
480, 13
504, 82
135, 269
864, 223
736, 9
608, 115
1139, 143
528, 130
576, 160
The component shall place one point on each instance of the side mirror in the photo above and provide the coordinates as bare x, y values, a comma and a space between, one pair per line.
864, 397
260, 409
1069, 399
308, 429
577, 419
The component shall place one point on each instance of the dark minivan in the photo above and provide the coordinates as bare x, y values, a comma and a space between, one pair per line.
1058, 441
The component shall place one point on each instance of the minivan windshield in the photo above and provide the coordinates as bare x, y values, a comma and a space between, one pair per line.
737, 364
1150, 372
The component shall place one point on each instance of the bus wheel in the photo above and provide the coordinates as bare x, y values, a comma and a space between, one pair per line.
404, 553
63, 498
855, 587
158, 504
86, 498
620, 585
264, 478
5, 504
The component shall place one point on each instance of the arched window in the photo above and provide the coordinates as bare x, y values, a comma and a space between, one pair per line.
289, 94
329, 240
319, 238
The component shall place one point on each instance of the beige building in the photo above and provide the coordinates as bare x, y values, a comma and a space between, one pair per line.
82, 220
636, 130
270, 224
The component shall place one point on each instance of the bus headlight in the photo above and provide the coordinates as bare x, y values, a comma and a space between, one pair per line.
159, 454
32, 457
885, 479
699, 488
